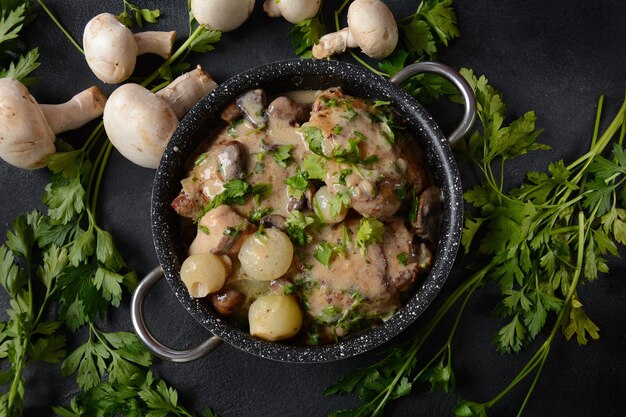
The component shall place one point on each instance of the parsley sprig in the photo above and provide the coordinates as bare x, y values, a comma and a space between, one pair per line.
539, 241
64, 258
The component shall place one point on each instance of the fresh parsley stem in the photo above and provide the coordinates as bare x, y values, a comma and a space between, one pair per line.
597, 149
60, 26
93, 138
596, 127
366, 65
183, 48
91, 196
469, 285
107, 152
447, 347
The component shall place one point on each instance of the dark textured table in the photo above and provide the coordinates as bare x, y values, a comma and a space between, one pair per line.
554, 57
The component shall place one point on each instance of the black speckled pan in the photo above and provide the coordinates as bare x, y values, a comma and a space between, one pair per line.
285, 76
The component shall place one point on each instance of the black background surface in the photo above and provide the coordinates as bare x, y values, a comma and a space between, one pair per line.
554, 57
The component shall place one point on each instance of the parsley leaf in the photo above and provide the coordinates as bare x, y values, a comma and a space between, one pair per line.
371, 231
297, 223
323, 253
306, 34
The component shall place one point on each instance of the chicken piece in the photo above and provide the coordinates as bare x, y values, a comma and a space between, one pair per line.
366, 161
349, 280
402, 266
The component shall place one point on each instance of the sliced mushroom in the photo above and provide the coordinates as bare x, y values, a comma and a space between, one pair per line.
252, 105
230, 238
227, 302
305, 201
284, 108
429, 211
274, 220
232, 160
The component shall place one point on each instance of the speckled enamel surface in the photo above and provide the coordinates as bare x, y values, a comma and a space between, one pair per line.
284, 76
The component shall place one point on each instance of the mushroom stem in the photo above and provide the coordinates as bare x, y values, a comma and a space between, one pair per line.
185, 91
80, 109
153, 42
270, 8
334, 43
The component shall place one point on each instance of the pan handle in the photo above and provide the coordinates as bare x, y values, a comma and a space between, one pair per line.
160, 350
449, 73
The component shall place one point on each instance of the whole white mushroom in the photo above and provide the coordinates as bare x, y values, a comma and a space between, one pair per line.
29, 129
139, 123
371, 27
294, 11
111, 49
222, 15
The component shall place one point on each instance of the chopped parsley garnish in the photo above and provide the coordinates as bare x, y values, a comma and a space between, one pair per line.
360, 136
203, 157
323, 253
338, 202
232, 128
402, 258
234, 231
380, 103
329, 102
343, 174
256, 215
236, 192
337, 129
298, 183
370, 232
415, 203
314, 165
261, 191
282, 155
353, 153
313, 138
204, 229
296, 223
350, 114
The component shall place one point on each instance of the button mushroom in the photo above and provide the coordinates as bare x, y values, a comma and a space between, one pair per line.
29, 129
371, 27
222, 15
139, 123
111, 49
294, 11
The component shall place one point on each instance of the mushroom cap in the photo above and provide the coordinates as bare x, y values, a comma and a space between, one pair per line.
139, 124
110, 48
222, 15
373, 27
296, 11
25, 137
